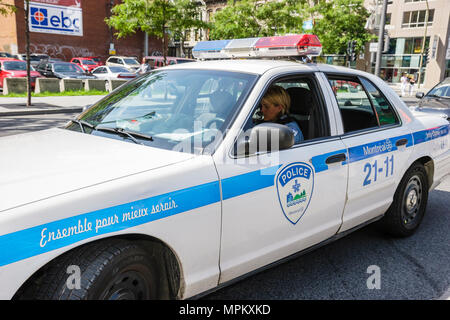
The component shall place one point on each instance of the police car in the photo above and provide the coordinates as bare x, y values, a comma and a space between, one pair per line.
173, 185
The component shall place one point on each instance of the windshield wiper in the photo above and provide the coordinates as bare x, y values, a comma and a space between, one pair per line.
82, 124
130, 134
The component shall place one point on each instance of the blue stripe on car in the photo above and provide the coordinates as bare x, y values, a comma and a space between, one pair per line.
40, 239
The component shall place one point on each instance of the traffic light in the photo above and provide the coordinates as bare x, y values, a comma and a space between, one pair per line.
351, 50
426, 56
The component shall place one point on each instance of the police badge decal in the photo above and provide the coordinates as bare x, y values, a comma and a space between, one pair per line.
295, 185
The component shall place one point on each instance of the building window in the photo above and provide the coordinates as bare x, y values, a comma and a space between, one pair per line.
416, 19
388, 18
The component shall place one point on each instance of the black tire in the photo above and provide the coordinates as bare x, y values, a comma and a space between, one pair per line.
410, 201
110, 270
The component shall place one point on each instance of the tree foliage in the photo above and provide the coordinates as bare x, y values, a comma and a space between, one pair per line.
256, 18
335, 21
6, 8
338, 21
160, 18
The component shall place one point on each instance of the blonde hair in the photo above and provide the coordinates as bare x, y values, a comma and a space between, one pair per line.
276, 95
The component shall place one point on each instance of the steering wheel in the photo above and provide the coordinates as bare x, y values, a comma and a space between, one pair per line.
219, 122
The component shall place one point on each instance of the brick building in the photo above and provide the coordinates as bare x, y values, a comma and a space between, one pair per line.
68, 28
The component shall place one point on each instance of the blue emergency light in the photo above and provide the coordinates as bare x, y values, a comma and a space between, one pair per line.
210, 49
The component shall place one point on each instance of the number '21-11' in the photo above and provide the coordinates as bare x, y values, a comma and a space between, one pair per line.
387, 167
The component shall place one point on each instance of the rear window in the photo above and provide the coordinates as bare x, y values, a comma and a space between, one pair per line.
14, 65
88, 62
361, 104
67, 67
130, 61
118, 69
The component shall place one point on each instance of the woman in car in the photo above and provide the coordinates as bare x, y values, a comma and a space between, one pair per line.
275, 108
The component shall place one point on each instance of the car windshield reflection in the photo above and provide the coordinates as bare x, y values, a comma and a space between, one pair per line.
183, 110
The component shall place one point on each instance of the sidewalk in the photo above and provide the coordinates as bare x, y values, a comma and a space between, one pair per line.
397, 88
45, 105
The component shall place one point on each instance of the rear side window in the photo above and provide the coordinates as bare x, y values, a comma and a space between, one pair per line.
361, 104
385, 112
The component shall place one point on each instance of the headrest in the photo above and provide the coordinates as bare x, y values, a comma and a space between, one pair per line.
221, 101
301, 100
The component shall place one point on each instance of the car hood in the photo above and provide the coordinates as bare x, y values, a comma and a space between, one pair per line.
43, 164
434, 103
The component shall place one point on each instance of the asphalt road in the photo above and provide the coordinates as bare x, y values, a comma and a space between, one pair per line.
417, 267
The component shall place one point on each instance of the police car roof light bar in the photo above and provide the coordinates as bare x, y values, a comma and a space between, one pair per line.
210, 49
277, 46
241, 48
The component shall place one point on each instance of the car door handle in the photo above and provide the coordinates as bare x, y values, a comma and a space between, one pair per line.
340, 157
401, 142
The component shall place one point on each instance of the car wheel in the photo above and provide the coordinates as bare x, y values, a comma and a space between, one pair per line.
410, 200
108, 270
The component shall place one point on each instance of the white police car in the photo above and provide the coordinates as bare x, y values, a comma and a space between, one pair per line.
172, 185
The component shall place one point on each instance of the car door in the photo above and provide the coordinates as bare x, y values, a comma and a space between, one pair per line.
377, 143
100, 73
277, 203
2, 75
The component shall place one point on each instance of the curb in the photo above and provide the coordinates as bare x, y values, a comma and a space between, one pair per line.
40, 112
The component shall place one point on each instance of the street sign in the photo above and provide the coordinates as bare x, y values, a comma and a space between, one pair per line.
373, 47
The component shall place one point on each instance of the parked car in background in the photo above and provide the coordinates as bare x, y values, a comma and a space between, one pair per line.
14, 68
158, 61
35, 58
127, 62
6, 55
112, 73
84, 63
437, 100
96, 59
62, 70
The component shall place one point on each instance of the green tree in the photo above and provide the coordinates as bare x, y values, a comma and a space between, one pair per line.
160, 18
338, 21
335, 21
256, 18
186, 17
7, 8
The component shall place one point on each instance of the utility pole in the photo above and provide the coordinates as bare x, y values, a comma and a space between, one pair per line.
380, 38
423, 46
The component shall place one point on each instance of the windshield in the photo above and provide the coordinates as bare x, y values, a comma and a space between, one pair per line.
15, 65
67, 67
441, 91
130, 61
182, 110
118, 69
88, 62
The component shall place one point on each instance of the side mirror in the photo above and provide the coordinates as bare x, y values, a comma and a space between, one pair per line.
265, 137
420, 95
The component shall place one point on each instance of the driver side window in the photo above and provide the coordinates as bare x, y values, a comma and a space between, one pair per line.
305, 112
